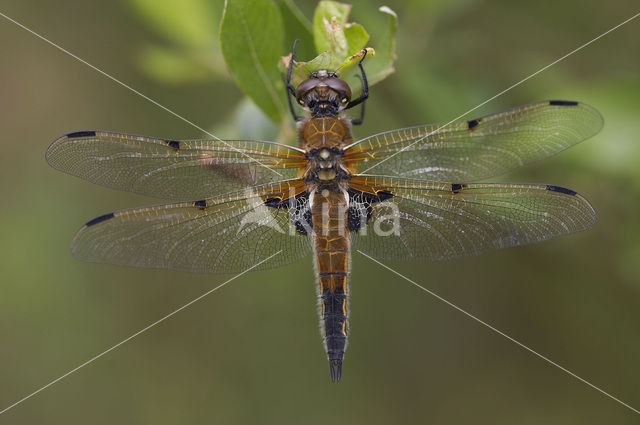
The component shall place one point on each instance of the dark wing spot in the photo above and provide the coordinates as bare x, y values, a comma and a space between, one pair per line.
300, 214
563, 103
456, 187
383, 195
99, 219
472, 124
174, 144
81, 134
275, 203
561, 189
358, 214
361, 207
299, 210
303, 221
200, 204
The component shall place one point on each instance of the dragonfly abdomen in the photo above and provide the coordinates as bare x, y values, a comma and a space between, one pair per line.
332, 257
334, 322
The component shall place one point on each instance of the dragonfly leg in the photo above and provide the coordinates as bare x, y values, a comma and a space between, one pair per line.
358, 121
291, 91
364, 95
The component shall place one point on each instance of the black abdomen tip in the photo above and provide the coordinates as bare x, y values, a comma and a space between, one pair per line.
81, 134
561, 189
335, 367
563, 103
99, 219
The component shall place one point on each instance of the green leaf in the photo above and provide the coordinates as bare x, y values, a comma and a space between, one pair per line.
334, 34
251, 37
328, 17
338, 42
385, 45
325, 60
380, 67
338, 37
296, 26
356, 37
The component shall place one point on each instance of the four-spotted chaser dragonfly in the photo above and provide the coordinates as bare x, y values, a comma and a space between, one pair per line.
404, 195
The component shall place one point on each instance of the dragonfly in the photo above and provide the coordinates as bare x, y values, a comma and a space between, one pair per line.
410, 194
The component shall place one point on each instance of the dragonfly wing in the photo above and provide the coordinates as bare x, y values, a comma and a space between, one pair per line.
172, 169
226, 234
476, 149
425, 221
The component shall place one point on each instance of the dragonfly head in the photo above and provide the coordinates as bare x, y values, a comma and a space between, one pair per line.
323, 94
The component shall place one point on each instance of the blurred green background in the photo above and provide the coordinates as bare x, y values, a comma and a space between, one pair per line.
251, 353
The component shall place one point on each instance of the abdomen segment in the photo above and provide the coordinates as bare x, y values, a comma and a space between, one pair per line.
332, 258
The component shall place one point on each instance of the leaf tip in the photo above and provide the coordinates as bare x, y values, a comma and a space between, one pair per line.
388, 11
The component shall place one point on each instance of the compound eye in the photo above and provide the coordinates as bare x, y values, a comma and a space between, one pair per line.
344, 99
300, 101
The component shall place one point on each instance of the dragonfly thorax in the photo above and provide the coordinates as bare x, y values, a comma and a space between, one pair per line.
325, 167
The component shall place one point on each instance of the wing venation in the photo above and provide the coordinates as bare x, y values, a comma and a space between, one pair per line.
476, 149
172, 169
225, 234
429, 221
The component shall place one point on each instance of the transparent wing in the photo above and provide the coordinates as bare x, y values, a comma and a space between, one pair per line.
227, 234
477, 149
426, 221
172, 169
